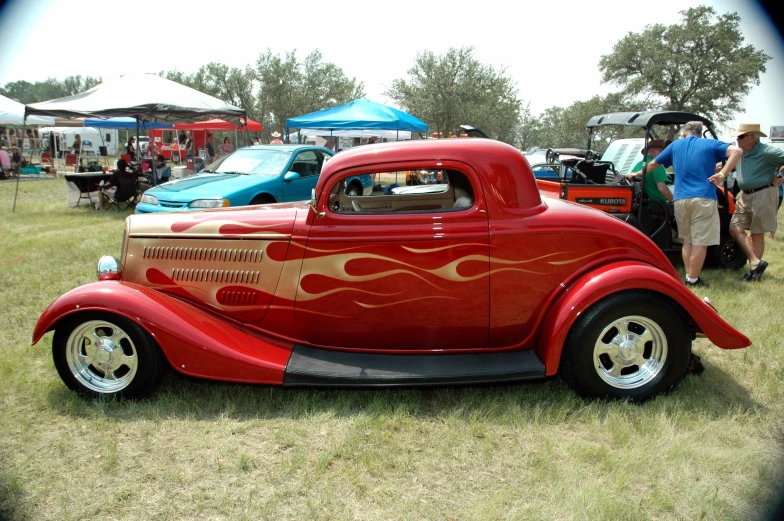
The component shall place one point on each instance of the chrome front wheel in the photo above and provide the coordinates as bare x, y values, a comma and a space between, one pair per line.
103, 354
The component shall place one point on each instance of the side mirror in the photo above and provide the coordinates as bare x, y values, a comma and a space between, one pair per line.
313, 200
291, 176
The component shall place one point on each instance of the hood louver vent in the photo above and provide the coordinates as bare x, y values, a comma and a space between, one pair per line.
237, 298
222, 276
202, 254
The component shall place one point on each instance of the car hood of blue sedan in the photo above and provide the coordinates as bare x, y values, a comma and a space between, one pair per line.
206, 186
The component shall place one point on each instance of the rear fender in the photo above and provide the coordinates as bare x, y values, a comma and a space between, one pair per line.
195, 342
624, 276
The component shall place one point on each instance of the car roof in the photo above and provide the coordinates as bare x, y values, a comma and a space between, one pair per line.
646, 119
286, 148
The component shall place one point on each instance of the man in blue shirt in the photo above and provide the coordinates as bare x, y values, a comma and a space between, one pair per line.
694, 160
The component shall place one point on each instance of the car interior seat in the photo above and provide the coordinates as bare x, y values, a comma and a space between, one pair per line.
464, 196
595, 173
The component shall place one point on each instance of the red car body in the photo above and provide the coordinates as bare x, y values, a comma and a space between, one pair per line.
306, 293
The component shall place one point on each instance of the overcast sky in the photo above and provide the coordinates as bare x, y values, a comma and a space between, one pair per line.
551, 49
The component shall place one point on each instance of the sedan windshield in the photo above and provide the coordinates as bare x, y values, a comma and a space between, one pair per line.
265, 163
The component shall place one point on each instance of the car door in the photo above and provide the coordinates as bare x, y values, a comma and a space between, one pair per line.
306, 163
397, 270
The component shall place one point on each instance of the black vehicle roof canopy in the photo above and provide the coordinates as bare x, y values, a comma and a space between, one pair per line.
647, 119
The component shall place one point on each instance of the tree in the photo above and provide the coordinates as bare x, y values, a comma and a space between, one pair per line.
51, 88
559, 127
453, 89
288, 88
230, 84
699, 65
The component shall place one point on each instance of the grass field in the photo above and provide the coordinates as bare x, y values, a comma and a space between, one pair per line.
709, 450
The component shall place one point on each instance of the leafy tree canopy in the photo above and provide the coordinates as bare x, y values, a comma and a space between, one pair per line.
453, 89
288, 88
559, 127
51, 88
699, 65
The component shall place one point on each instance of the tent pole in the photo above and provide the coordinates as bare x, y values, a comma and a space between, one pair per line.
247, 132
24, 132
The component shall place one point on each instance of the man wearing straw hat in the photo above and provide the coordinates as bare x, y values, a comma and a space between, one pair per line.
277, 140
755, 207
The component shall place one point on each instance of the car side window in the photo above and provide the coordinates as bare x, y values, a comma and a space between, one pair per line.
424, 190
307, 163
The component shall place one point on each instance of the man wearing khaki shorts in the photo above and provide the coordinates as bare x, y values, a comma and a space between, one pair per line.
757, 201
694, 160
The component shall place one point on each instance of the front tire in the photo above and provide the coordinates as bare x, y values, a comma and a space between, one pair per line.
102, 354
630, 345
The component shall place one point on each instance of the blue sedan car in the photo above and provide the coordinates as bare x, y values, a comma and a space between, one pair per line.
250, 175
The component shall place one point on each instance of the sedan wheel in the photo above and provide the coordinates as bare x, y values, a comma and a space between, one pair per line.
631, 345
103, 354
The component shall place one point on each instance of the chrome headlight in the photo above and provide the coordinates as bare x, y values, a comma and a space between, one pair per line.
149, 199
210, 203
109, 268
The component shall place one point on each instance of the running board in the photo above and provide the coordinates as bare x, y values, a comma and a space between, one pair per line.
310, 367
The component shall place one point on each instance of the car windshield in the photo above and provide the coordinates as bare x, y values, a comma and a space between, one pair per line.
266, 163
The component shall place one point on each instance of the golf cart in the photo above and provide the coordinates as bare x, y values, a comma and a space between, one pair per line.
628, 201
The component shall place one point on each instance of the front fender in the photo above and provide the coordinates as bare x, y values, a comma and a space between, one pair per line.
195, 342
623, 276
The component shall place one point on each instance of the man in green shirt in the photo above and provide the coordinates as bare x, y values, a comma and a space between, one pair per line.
655, 182
755, 207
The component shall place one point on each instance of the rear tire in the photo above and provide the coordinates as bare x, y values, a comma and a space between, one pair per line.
631, 345
102, 354
727, 255
354, 190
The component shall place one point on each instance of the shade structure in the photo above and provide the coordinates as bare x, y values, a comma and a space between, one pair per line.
359, 114
218, 124
385, 134
12, 115
140, 96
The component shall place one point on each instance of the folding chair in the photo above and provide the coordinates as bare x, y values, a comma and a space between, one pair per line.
128, 187
71, 160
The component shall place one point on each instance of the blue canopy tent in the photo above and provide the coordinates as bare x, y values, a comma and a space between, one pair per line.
361, 114
124, 123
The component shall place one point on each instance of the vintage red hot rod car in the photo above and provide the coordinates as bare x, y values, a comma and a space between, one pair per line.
472, 278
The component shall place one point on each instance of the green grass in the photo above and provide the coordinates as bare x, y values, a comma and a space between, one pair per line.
711, 449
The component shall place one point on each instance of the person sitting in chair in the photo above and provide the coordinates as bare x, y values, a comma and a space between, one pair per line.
655, 185
161, 170
124, 183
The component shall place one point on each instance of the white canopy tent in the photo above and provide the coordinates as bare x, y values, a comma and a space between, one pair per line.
145, 97
12, 115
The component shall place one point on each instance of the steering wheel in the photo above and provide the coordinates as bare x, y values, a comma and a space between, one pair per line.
550, 155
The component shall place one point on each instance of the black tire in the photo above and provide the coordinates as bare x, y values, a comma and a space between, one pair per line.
727, 255
122, 348
263, 199
597, 362
354, 190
